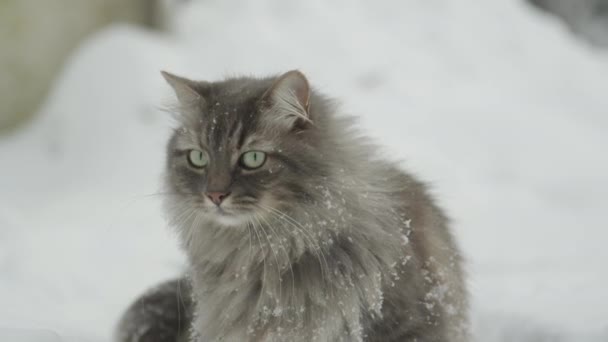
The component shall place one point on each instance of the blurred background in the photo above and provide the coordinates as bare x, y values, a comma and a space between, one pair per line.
501, 105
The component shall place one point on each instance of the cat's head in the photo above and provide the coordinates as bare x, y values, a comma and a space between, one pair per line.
245, 147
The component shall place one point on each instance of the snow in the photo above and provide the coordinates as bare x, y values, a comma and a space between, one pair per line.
494, 104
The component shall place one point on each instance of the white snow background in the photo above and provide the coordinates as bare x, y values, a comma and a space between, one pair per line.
497, 106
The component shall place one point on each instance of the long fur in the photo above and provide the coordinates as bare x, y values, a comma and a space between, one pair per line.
335, 243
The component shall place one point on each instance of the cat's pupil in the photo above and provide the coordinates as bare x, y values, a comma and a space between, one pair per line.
197, 158
252, 159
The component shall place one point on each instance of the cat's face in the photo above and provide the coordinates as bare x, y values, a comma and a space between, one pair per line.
241, 149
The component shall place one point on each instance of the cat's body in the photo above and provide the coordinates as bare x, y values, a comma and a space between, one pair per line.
325, 241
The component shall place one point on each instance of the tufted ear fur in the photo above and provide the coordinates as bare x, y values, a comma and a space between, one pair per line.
184, 89
288, 99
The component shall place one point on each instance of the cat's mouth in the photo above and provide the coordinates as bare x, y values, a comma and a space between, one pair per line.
232, 213
230, 217
223, 211
231, 220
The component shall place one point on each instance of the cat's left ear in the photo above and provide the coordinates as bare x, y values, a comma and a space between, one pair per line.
288, 99
184, 89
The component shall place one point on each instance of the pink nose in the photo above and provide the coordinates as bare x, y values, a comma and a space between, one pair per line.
217, 197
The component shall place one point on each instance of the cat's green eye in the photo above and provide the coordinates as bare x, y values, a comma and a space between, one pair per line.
198, 159
253, 160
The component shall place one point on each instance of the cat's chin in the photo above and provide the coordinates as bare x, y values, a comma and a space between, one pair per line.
231, 220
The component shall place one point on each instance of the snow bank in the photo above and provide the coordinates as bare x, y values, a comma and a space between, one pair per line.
491, 102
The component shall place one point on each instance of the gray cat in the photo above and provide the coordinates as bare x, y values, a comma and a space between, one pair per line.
295, 227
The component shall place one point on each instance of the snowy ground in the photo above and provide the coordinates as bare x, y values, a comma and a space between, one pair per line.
491, 102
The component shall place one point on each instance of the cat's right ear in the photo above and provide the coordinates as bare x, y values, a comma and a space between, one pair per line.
184, 89
288, 100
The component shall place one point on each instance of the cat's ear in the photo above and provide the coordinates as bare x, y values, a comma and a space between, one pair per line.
288, 99
184, 89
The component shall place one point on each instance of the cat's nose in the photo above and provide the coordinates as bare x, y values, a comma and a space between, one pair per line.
217, 197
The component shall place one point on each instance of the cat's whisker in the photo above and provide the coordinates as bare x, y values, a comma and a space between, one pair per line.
282, 246
274, 254
184, 216
196, 221
178, 219
314, 246
224, 320
263, 260
250, 244
283, 216
193, 217
153, 194
299, 227
363, 188
129, 202
294, 222
309, 238
270, 244
188, 222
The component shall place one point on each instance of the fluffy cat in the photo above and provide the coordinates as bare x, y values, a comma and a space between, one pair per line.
295, 228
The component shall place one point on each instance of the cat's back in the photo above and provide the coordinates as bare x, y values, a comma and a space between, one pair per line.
431, 290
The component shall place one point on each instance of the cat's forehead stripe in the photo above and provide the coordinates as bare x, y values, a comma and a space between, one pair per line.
216, 131
234, 129
225, 130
